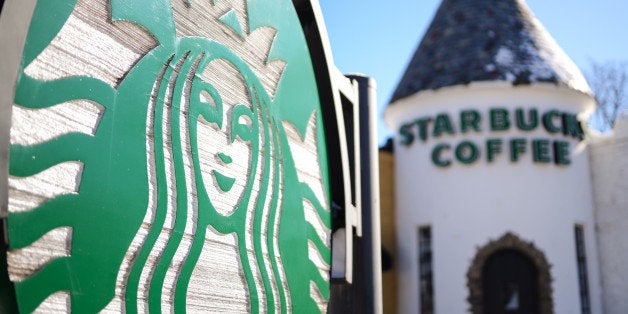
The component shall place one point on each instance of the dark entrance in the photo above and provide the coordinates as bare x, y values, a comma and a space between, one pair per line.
510, 283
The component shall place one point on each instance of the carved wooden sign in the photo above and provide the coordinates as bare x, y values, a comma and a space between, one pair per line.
167, 156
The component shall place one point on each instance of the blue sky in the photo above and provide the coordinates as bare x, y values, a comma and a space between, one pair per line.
378, 38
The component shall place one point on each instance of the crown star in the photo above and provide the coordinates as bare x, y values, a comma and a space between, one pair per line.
227, 22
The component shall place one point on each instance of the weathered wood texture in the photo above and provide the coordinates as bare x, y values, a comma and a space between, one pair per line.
90, 45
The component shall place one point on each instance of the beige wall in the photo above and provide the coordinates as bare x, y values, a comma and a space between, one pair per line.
609, 173
387, 213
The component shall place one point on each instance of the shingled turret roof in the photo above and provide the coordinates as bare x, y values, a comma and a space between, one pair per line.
487, 40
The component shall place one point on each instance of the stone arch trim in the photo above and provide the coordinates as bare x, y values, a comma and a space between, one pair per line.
509, 241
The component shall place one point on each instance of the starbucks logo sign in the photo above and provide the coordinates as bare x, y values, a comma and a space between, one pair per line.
168, 156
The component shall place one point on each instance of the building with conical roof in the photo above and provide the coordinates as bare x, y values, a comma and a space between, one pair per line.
494, 205
487, 41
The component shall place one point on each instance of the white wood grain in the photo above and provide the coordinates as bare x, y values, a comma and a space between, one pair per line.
26, 261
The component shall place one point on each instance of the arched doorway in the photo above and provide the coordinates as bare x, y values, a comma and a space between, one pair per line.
510, 283
509, 276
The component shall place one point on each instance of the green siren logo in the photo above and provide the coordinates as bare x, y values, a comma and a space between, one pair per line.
168, 156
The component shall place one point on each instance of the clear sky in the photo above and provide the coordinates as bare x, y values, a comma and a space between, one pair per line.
378, 38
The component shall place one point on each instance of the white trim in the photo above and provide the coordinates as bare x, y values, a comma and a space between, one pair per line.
15, 19
584, 103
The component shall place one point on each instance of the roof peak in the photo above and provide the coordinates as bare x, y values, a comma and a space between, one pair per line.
487, 40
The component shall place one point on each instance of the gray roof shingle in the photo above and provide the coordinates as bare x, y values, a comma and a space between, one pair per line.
487, 40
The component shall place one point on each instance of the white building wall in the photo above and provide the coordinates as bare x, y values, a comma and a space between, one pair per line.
469, 205
609, 172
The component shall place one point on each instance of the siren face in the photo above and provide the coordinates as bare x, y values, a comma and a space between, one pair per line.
225, 142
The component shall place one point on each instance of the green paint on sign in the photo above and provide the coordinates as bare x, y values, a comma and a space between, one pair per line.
225, 158
231, 19
442, 123
437, 155
541, 151
533, 119
499, 119
143, 171
225, 183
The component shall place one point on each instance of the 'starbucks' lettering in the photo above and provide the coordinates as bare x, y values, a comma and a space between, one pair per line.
541, 151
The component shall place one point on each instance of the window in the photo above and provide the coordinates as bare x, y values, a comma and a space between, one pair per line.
581, 259
426, 288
